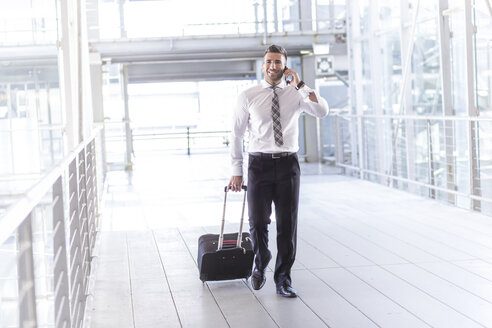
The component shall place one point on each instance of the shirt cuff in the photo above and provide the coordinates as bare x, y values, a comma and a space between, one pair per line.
305, 91
237, 171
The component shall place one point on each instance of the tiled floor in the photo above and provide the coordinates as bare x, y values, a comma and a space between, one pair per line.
368, 256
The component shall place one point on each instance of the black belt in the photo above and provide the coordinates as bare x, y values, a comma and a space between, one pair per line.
271, 155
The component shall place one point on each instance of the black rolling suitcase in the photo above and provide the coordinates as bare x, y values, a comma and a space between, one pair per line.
225, 256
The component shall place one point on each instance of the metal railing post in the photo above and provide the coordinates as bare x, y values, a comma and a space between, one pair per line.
77, 290
26, 279
83, 217
91, 187
60, 265
188, 138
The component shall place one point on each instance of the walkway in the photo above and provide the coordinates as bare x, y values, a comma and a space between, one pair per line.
368, 256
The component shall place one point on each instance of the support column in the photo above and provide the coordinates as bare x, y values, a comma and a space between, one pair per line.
128, 130
406, 105
447, 102
355, 76
96, 77
376, 79
472, 111
311, 124
67, 79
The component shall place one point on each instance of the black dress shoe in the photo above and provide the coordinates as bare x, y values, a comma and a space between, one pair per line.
258, 279
286, 290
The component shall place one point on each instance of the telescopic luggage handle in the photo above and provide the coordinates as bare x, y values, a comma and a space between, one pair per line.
239, 235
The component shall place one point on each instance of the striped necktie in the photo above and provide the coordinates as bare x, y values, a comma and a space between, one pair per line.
277, 126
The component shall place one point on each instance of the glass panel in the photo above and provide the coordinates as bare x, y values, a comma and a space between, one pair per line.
328, 136
364, 6
336, 94
323, 15
398, 148
340, 12
28, 22
51, 143
485, 164
164, 105
25, 145
6, 150
346, 139
30, 104
462, 165
371, 155
421, 164
42, 234
162, 113
483, 39
367, 104
426, 89
288, 16
213, 17
389, 14
437, 153
429, 151
109, 27
326, 19
458, 59
9, 293
302, 136
114, 115
392, 72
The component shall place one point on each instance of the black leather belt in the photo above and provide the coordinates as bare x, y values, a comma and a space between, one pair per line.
271, 155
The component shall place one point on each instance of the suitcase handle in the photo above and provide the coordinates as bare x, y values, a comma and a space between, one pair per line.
240, 234
226, 188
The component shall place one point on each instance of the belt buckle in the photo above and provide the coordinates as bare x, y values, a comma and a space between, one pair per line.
275, 156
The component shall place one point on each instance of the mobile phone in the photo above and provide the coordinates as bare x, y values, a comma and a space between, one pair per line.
289, 78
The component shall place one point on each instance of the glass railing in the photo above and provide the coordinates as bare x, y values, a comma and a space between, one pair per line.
47, 235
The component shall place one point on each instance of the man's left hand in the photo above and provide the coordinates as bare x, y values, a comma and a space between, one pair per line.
295, 78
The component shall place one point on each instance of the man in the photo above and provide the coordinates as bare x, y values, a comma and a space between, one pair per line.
271, 111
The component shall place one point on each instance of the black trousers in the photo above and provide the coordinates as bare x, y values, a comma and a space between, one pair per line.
274, 181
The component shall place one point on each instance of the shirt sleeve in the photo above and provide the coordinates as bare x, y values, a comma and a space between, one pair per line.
319, 109
239, 125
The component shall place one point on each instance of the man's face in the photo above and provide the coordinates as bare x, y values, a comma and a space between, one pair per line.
273, 67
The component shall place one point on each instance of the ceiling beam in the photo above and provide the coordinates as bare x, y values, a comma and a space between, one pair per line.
205, 47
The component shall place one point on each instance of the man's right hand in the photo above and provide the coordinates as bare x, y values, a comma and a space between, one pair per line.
236, 183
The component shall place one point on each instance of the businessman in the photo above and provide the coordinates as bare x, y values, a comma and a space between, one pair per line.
270, 111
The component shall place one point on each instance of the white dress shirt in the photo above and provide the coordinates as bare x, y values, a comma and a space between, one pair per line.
254, 111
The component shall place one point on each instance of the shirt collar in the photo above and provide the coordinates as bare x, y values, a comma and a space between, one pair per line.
267, 85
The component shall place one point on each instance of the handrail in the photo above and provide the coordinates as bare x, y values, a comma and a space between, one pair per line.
15, 214
184, 132
415, 117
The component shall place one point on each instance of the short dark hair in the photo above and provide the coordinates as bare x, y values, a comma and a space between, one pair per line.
276, 49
